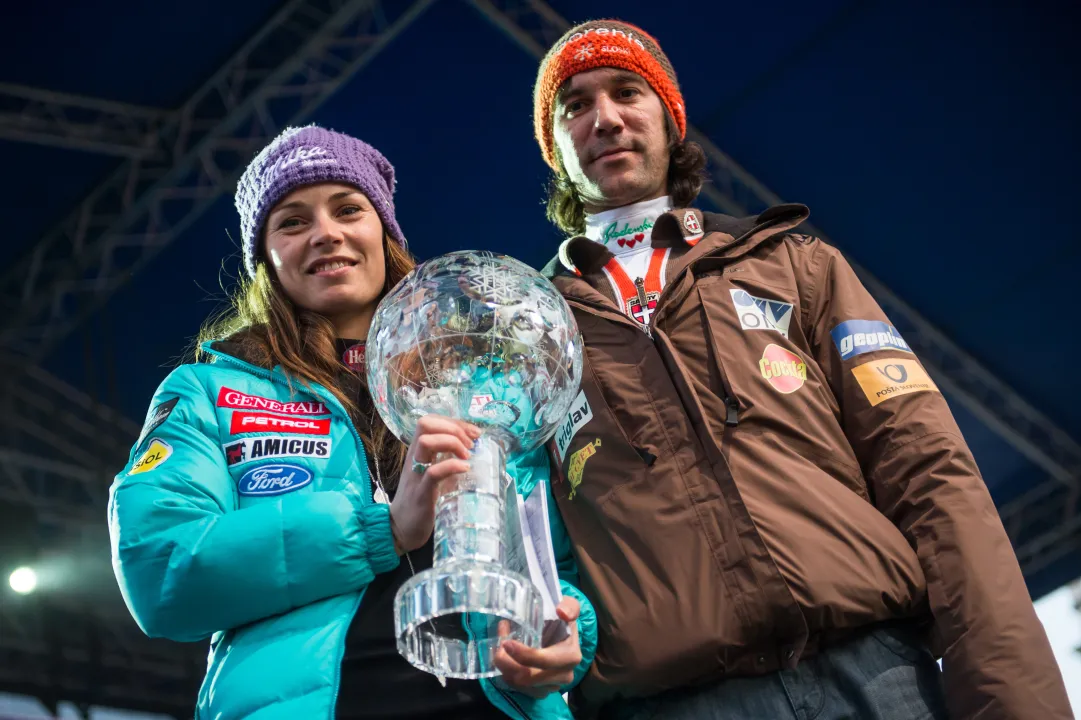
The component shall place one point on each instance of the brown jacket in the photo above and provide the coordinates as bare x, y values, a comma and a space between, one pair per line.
756, 478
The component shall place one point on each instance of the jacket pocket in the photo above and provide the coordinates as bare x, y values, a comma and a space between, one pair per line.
600, 456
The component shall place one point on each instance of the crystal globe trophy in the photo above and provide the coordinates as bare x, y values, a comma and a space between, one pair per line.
484, 338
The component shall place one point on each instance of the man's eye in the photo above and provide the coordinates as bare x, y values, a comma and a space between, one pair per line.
573, 107
628, 92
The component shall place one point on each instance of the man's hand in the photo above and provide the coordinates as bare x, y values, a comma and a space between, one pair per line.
539, 671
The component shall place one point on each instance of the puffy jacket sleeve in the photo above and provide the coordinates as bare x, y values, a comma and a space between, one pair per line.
190, 562
922, 476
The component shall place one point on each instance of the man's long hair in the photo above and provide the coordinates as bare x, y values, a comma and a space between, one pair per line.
686, 175
271, 330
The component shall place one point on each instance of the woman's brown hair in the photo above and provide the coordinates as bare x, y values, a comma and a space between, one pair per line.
269, 329
686, 175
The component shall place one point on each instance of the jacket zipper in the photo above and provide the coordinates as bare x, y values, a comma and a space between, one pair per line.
640, 286
731, 405
327, 397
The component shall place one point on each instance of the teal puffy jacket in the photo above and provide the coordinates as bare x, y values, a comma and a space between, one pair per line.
270, 559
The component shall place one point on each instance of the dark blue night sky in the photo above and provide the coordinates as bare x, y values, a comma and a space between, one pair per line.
936, 143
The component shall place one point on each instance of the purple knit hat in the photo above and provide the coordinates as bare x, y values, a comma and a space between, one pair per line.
305, 156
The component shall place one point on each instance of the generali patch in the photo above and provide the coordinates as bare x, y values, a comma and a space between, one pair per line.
881, 380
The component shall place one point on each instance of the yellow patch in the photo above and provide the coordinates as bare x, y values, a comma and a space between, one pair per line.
578, 463
883, 379
158, 452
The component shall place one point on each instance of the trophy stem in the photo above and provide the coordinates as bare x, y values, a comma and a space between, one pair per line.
446, 618
469, 510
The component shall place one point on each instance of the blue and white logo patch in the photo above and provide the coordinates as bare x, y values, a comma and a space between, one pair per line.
268, 480
579, 414
855, 337
757, 313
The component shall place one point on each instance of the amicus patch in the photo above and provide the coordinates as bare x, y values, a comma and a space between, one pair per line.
267, 480
275, 446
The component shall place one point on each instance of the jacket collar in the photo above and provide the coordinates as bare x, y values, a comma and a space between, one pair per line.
684, 228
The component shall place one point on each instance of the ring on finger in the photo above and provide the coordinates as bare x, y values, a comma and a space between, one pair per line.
420, 467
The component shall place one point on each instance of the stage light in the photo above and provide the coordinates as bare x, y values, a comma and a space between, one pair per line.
23, 581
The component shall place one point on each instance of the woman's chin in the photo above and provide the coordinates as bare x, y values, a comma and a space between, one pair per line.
336, 302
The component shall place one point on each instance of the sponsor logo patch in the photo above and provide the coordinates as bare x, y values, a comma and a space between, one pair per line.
273, 480
243, 422
275, 446
157, 416
578, 465
757, 313
155, 456
580, 414
883, 379
784, 370
354, 358
643, 314
855, 337
228, 398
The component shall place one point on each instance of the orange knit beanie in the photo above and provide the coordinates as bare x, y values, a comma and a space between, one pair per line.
597, 44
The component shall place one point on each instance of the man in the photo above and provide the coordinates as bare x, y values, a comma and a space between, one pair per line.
773, 509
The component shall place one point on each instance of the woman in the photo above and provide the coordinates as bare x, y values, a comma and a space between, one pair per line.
267, 507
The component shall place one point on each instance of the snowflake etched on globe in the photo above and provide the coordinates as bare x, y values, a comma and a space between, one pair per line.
480, 337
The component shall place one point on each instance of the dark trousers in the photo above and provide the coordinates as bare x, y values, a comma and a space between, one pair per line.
883, 675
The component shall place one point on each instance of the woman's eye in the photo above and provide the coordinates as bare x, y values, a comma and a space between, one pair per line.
349, 210
288, 223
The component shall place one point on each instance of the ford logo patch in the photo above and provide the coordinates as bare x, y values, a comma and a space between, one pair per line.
273, 480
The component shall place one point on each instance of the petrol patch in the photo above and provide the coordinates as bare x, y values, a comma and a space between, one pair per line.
578, 465
156, 417
273, 447
882, 379
855, 337
579, 414
154, 457
267, 480
243, 422
783, 369
757, 313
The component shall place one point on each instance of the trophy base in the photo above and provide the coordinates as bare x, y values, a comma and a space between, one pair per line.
446, 618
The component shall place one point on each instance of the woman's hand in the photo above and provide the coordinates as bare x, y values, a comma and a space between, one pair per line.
537, 672
412, 513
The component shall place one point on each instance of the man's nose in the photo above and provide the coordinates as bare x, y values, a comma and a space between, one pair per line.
607, 118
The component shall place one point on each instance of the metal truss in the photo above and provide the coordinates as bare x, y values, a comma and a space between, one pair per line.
1044, 523
81, 123
295, 62
59, 448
